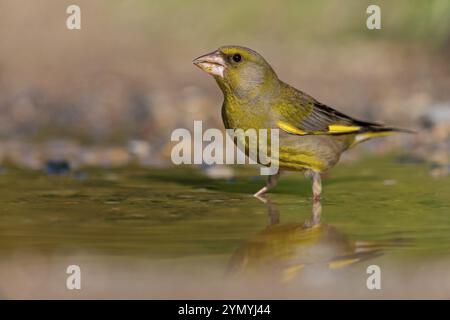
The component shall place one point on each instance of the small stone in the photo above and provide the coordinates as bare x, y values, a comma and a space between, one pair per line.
389, 182
57, 167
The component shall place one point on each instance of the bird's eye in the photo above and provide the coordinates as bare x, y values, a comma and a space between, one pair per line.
236, 57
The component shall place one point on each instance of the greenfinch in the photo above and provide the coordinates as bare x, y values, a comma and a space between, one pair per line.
312, 135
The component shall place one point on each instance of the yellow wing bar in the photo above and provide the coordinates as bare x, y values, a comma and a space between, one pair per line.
332, 129
290, 128
339, 128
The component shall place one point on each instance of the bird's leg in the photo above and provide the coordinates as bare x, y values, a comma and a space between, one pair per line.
271, 182
316, 185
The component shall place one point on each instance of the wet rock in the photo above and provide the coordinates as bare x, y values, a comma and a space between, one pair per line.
57, 167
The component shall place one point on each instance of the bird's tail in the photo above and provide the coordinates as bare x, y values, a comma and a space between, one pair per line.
376, 132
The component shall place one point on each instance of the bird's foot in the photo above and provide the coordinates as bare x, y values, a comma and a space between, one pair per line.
262, 198
261, 192
260, 195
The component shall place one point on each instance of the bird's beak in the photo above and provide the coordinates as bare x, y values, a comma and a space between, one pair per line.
212, 63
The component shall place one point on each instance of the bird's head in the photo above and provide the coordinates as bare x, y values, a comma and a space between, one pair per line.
238, 70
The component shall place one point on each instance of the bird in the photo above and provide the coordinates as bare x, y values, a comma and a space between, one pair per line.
312, 135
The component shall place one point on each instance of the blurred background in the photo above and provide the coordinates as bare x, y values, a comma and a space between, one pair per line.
111, 93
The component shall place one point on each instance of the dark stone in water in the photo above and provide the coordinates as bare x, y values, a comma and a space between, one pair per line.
57, 167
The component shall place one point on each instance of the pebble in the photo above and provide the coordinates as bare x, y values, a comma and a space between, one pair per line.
389, 182
57, 167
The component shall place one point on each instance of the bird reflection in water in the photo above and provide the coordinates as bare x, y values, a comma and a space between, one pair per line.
283, 250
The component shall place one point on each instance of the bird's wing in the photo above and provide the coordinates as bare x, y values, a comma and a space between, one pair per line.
301, 114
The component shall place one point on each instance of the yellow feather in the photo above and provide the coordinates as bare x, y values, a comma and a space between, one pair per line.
341, 263
334, 128
291, 157
290, 272
338, 128
377, 134
290, 128
368, 135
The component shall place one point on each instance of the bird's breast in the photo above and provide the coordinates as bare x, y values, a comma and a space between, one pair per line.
238, 115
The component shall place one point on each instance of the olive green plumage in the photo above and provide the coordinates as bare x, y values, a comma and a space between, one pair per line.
312, 135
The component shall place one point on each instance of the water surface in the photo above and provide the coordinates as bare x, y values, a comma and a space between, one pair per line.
150, 233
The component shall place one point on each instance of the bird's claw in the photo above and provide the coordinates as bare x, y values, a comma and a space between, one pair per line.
260, 197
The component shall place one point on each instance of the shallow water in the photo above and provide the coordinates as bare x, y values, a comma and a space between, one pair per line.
175, 233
